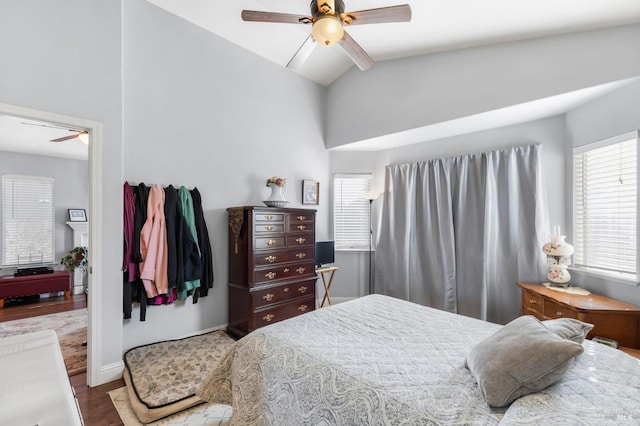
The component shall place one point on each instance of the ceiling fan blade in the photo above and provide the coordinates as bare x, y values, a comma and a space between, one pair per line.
287, 18
356, 53
381, 15
65, 138
302, 54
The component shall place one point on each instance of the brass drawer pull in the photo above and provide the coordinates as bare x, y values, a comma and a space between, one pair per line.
559, 313
268, 317
270, 259
532, 301
286, 269
302, 308
301, 255
300, 270
268, 297
286, 289
268, 228
302, 289
270, 275
301, 217
300, 240
301, 227
269, 217
271, 242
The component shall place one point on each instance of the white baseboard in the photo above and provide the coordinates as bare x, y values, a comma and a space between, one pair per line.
336, 300
111, 372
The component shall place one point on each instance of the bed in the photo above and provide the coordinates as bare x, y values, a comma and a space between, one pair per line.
382, 361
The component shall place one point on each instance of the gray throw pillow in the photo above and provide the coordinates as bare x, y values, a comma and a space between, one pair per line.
522, 357
569, 328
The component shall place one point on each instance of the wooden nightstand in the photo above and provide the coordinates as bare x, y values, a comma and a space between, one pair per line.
611, 318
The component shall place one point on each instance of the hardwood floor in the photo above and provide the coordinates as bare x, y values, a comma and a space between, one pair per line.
95, 404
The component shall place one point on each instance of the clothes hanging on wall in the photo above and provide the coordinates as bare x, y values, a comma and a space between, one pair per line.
129, 266
206, 277
166, 247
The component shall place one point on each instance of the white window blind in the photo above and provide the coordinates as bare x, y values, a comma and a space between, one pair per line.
28, 220
605, 205
351, 211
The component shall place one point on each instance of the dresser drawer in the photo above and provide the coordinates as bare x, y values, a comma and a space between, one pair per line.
532, 301
269, 243
555, 310
304, 253
300, 240
284, 311
301, 227
281, 293
301, 218
274, 273
269, 217
268, 227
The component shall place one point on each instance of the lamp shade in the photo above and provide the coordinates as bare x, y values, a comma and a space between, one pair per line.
327, 30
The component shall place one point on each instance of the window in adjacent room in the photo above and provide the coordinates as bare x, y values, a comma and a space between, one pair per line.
28, 220
606, 204
351, 210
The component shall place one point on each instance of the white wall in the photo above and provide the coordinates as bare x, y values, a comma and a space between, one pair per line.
71, 188
64, 57
411, 93
201, 112
610, 115
550, 133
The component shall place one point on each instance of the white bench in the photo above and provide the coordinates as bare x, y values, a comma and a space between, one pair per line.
34, 386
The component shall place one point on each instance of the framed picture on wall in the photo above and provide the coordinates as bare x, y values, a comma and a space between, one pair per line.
77, 215
310, 191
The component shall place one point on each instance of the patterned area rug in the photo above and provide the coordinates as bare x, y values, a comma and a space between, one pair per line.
203, 414
71, 328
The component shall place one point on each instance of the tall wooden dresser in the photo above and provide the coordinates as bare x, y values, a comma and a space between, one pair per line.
271, 266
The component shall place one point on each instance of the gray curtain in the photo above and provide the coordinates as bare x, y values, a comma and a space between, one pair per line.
457, 233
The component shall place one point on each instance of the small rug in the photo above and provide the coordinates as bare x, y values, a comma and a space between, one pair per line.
71, 328
203, 414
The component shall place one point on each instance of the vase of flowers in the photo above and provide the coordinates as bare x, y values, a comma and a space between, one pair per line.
277, 186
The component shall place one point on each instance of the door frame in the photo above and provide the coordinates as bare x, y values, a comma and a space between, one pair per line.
94, 325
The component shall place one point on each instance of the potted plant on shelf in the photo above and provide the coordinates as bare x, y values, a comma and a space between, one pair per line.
75, 258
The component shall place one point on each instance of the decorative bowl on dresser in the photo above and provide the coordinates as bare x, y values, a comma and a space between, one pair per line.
612, 319
271, 266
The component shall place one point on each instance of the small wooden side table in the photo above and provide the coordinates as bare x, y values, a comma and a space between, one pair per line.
330, 270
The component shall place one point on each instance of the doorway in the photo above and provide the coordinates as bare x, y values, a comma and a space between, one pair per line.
94, 132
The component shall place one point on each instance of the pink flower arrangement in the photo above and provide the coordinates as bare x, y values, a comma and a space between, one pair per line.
277, 180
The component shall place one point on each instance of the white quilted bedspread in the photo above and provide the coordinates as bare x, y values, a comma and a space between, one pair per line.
382, 361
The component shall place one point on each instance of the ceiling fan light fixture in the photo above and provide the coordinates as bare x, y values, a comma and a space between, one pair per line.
84, 138
327, 30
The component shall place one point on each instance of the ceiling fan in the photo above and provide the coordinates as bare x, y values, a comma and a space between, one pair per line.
82, 135
327, 20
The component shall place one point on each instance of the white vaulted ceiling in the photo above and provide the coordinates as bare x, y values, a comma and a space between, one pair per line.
436, 26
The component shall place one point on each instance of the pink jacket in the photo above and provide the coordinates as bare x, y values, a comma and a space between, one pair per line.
153, 246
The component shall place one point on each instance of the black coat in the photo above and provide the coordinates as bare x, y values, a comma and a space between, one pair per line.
206, 280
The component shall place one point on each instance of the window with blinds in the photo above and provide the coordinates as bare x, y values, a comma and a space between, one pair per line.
28, 220
605, 205
351, 210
